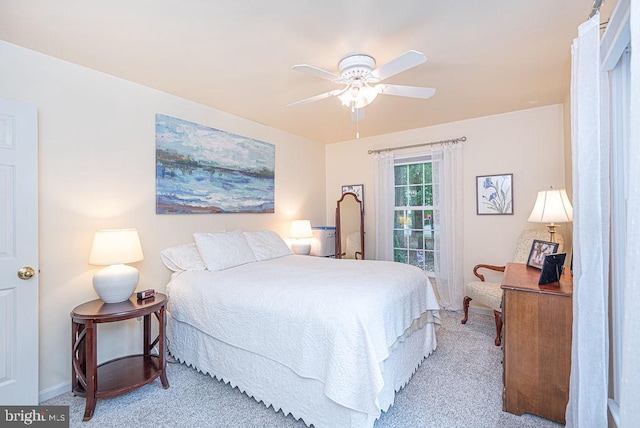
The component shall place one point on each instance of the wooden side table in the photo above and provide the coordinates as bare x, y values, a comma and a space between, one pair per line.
122, 374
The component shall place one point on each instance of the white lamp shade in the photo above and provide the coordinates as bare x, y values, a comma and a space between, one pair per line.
115, 246
552, 206
301, 229
360, 96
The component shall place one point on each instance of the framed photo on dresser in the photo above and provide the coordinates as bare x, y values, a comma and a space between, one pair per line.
552, 268
540, 249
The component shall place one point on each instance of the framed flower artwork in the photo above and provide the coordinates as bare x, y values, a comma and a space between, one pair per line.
357, 189
494, 194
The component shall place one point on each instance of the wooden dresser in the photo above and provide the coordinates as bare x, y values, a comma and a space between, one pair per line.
536, 343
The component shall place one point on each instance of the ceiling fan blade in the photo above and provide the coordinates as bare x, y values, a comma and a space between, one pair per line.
357, 114
404, 62
406, 91
318, 97
315, 71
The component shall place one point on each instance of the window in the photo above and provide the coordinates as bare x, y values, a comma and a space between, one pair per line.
413, 229
620, 144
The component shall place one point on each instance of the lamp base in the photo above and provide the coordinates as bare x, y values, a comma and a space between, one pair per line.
301, 249
552, 231
116, 283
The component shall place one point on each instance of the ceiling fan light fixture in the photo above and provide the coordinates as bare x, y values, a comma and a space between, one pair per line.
358, 96
369, 93
346, 98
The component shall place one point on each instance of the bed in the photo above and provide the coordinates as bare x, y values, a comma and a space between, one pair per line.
328, 341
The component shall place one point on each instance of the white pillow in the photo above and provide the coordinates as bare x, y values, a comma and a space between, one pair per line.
223, 250
267, 245
182, 257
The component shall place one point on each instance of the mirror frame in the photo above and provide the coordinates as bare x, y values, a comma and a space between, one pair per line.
338, 231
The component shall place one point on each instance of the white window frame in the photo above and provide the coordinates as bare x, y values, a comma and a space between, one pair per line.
434, 208
615, 60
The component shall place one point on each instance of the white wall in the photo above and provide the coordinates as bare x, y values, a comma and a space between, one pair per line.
527, 143
97, 170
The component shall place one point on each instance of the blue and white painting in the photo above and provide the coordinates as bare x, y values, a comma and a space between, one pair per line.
202, 170
494, 194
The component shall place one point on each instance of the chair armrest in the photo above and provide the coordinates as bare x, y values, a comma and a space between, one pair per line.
491, 267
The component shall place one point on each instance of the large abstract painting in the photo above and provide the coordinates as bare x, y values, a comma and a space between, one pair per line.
202, 170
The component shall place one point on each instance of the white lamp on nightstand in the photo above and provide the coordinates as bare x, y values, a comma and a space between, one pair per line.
552, 206
113, 248
300, 232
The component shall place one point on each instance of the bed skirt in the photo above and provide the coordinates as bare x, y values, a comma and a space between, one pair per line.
275, 385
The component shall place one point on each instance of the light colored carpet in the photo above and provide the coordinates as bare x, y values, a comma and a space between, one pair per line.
459, 385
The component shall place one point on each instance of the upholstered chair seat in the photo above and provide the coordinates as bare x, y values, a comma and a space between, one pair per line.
489, 294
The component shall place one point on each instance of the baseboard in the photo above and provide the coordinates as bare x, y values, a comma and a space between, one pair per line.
54, 391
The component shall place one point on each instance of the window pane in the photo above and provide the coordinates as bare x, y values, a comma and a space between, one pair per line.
428, 241
415, 173
401, 196
400, 219
401, 174
416, 258
416, 219
427, 216
415, 240
399, 239
404, 220
428, 261
415, 196
427, 173
428, 195
400, 256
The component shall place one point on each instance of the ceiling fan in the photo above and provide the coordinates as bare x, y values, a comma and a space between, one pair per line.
361, 80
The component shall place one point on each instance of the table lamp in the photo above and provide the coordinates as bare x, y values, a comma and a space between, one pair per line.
113, 248
552, 206
300, 231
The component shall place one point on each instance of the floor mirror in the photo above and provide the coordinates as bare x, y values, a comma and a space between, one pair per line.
349, 227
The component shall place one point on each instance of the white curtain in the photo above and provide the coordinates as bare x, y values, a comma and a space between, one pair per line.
384, 205
448, 225
590, 158
630, 376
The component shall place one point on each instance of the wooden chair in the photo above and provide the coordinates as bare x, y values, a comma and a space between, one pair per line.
489, 294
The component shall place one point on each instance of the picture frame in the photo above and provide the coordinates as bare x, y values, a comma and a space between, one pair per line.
494, 194
552, 268
540, 249
357, 189
204, 170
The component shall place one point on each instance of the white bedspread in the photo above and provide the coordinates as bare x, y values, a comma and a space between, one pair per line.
330, 320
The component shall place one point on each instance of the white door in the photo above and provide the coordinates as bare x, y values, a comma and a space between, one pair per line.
18, 253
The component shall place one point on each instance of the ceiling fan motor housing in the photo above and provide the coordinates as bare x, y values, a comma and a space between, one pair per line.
355, 67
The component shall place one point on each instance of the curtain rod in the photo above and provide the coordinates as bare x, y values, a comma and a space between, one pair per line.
597, 4
388, 149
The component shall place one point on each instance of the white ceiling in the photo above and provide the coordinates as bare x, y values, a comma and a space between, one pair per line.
483, 57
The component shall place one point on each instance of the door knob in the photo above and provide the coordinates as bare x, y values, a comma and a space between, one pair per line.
26, 272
